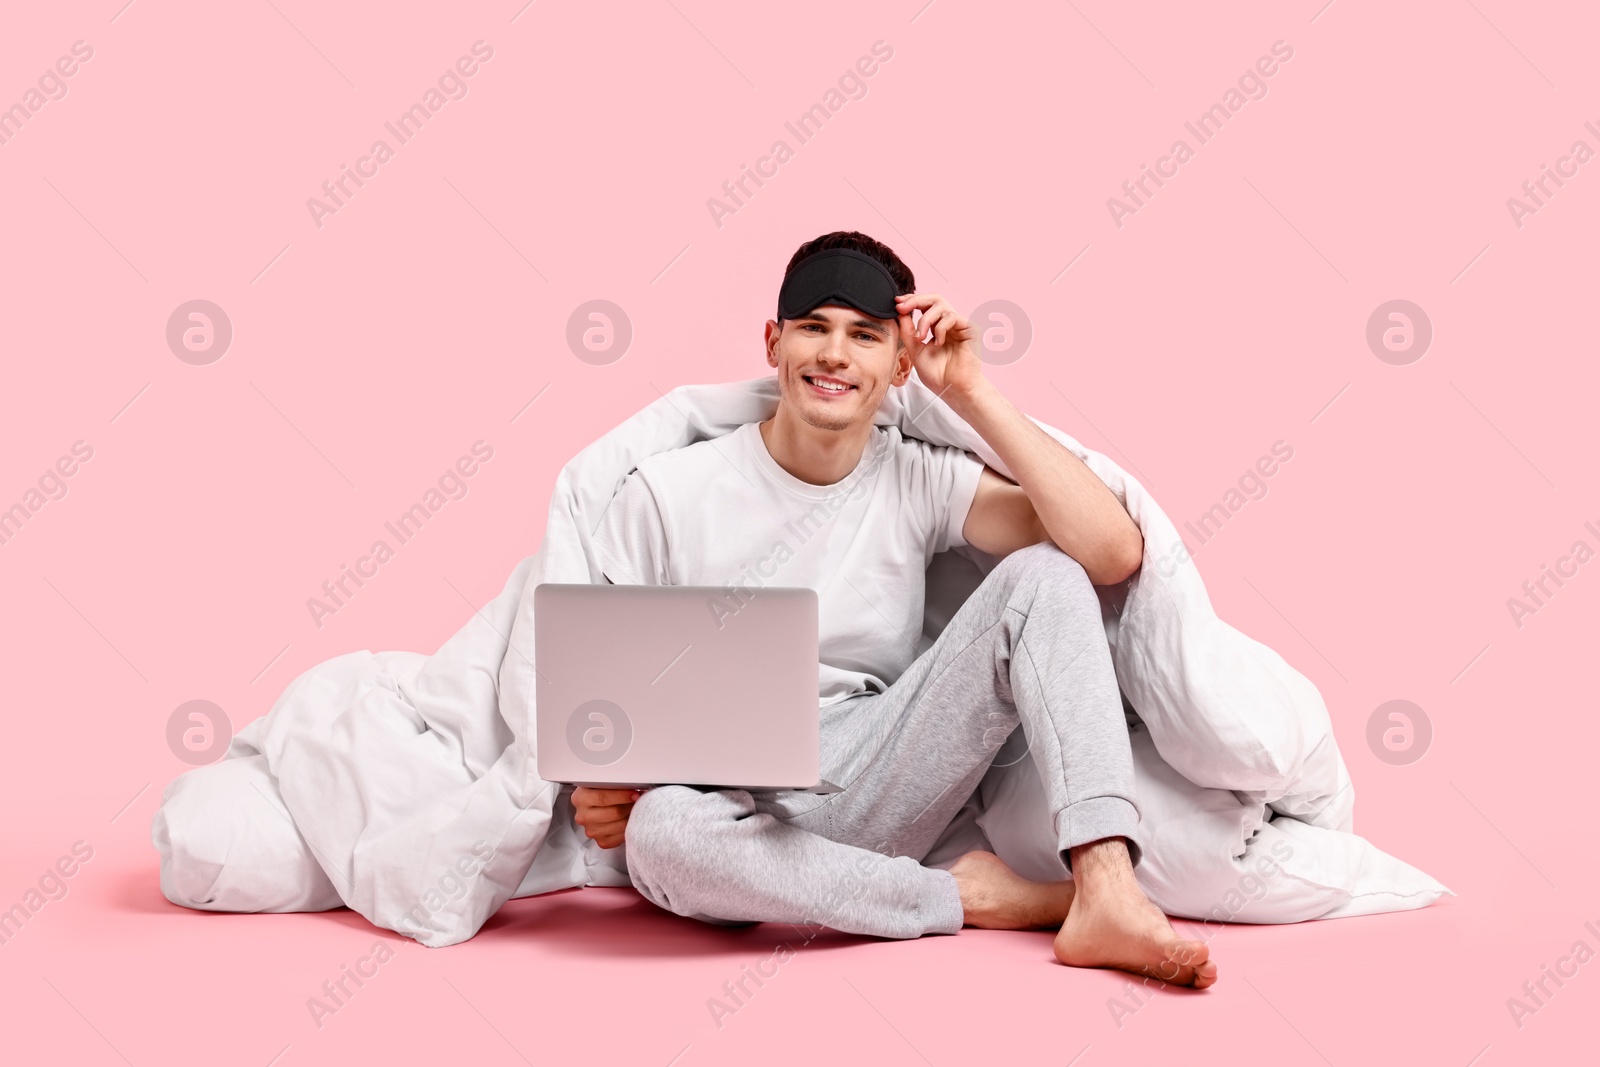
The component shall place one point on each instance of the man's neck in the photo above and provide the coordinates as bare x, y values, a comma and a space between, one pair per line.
812, 454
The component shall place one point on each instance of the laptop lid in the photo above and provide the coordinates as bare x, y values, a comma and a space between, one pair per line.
688, 685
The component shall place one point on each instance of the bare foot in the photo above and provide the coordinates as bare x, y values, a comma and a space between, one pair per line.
995, 897
1113, 924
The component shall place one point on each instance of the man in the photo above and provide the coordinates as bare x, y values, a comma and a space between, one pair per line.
826, 499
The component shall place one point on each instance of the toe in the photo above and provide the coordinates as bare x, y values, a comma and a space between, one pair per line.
1186, 962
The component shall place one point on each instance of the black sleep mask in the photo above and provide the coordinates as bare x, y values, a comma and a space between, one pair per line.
838, 276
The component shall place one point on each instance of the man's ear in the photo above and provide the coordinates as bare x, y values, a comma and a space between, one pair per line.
773, 330
903, 362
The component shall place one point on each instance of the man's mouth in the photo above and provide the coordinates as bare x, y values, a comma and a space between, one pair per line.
824, 384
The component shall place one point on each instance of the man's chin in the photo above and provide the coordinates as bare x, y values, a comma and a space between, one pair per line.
825, 419
824, 414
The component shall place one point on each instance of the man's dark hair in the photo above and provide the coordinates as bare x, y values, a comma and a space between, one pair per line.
904, 280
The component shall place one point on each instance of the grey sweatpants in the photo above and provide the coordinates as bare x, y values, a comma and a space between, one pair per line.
1028, 646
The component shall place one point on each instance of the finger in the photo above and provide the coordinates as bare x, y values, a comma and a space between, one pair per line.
586, 797
908, 335
597, 824
907, 301
957, 327
602, 814
933, 324
607, 829
609, 842
952, 328
919, 327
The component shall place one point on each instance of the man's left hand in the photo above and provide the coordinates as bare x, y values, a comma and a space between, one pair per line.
948, 360
603, 813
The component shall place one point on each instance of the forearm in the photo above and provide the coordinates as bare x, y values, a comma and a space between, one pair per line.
1077, 510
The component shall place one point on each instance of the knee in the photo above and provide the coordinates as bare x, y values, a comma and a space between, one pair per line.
667, 840
1045, 564
653, 814
657, 827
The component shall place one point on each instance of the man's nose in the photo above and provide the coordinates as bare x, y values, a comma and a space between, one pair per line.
834, 351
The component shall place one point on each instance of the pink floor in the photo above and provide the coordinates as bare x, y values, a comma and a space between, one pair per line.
113, 973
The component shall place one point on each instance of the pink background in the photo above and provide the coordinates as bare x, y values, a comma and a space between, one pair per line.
1227, 314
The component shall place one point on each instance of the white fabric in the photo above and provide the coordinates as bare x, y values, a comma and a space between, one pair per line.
227, 842
723, 513
398, 779
1207, 856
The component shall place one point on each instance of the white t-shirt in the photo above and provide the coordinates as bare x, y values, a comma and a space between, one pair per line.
722, 512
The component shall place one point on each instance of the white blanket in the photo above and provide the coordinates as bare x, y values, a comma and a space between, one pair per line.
413, 780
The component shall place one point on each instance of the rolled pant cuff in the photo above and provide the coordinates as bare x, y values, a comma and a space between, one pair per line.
1096, 819
941, 910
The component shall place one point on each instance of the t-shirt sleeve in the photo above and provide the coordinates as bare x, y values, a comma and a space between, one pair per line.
631, 541
952, 483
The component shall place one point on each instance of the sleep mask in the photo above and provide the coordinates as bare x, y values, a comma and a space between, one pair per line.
838, 276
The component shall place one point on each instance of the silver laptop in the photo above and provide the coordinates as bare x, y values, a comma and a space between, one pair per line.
642, 685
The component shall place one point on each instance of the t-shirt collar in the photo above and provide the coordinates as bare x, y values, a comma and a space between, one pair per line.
763, 460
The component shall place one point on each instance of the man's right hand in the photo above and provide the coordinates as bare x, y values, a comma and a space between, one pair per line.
603, 813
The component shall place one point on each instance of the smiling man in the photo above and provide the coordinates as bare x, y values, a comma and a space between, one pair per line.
908, 737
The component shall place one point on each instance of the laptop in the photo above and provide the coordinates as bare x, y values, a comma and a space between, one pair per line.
642, 685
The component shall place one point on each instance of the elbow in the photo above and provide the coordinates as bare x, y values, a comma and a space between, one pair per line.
1124, 564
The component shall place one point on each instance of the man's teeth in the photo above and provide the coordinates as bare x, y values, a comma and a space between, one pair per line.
832, 387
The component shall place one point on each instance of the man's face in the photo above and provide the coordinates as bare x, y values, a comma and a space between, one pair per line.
835, 345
